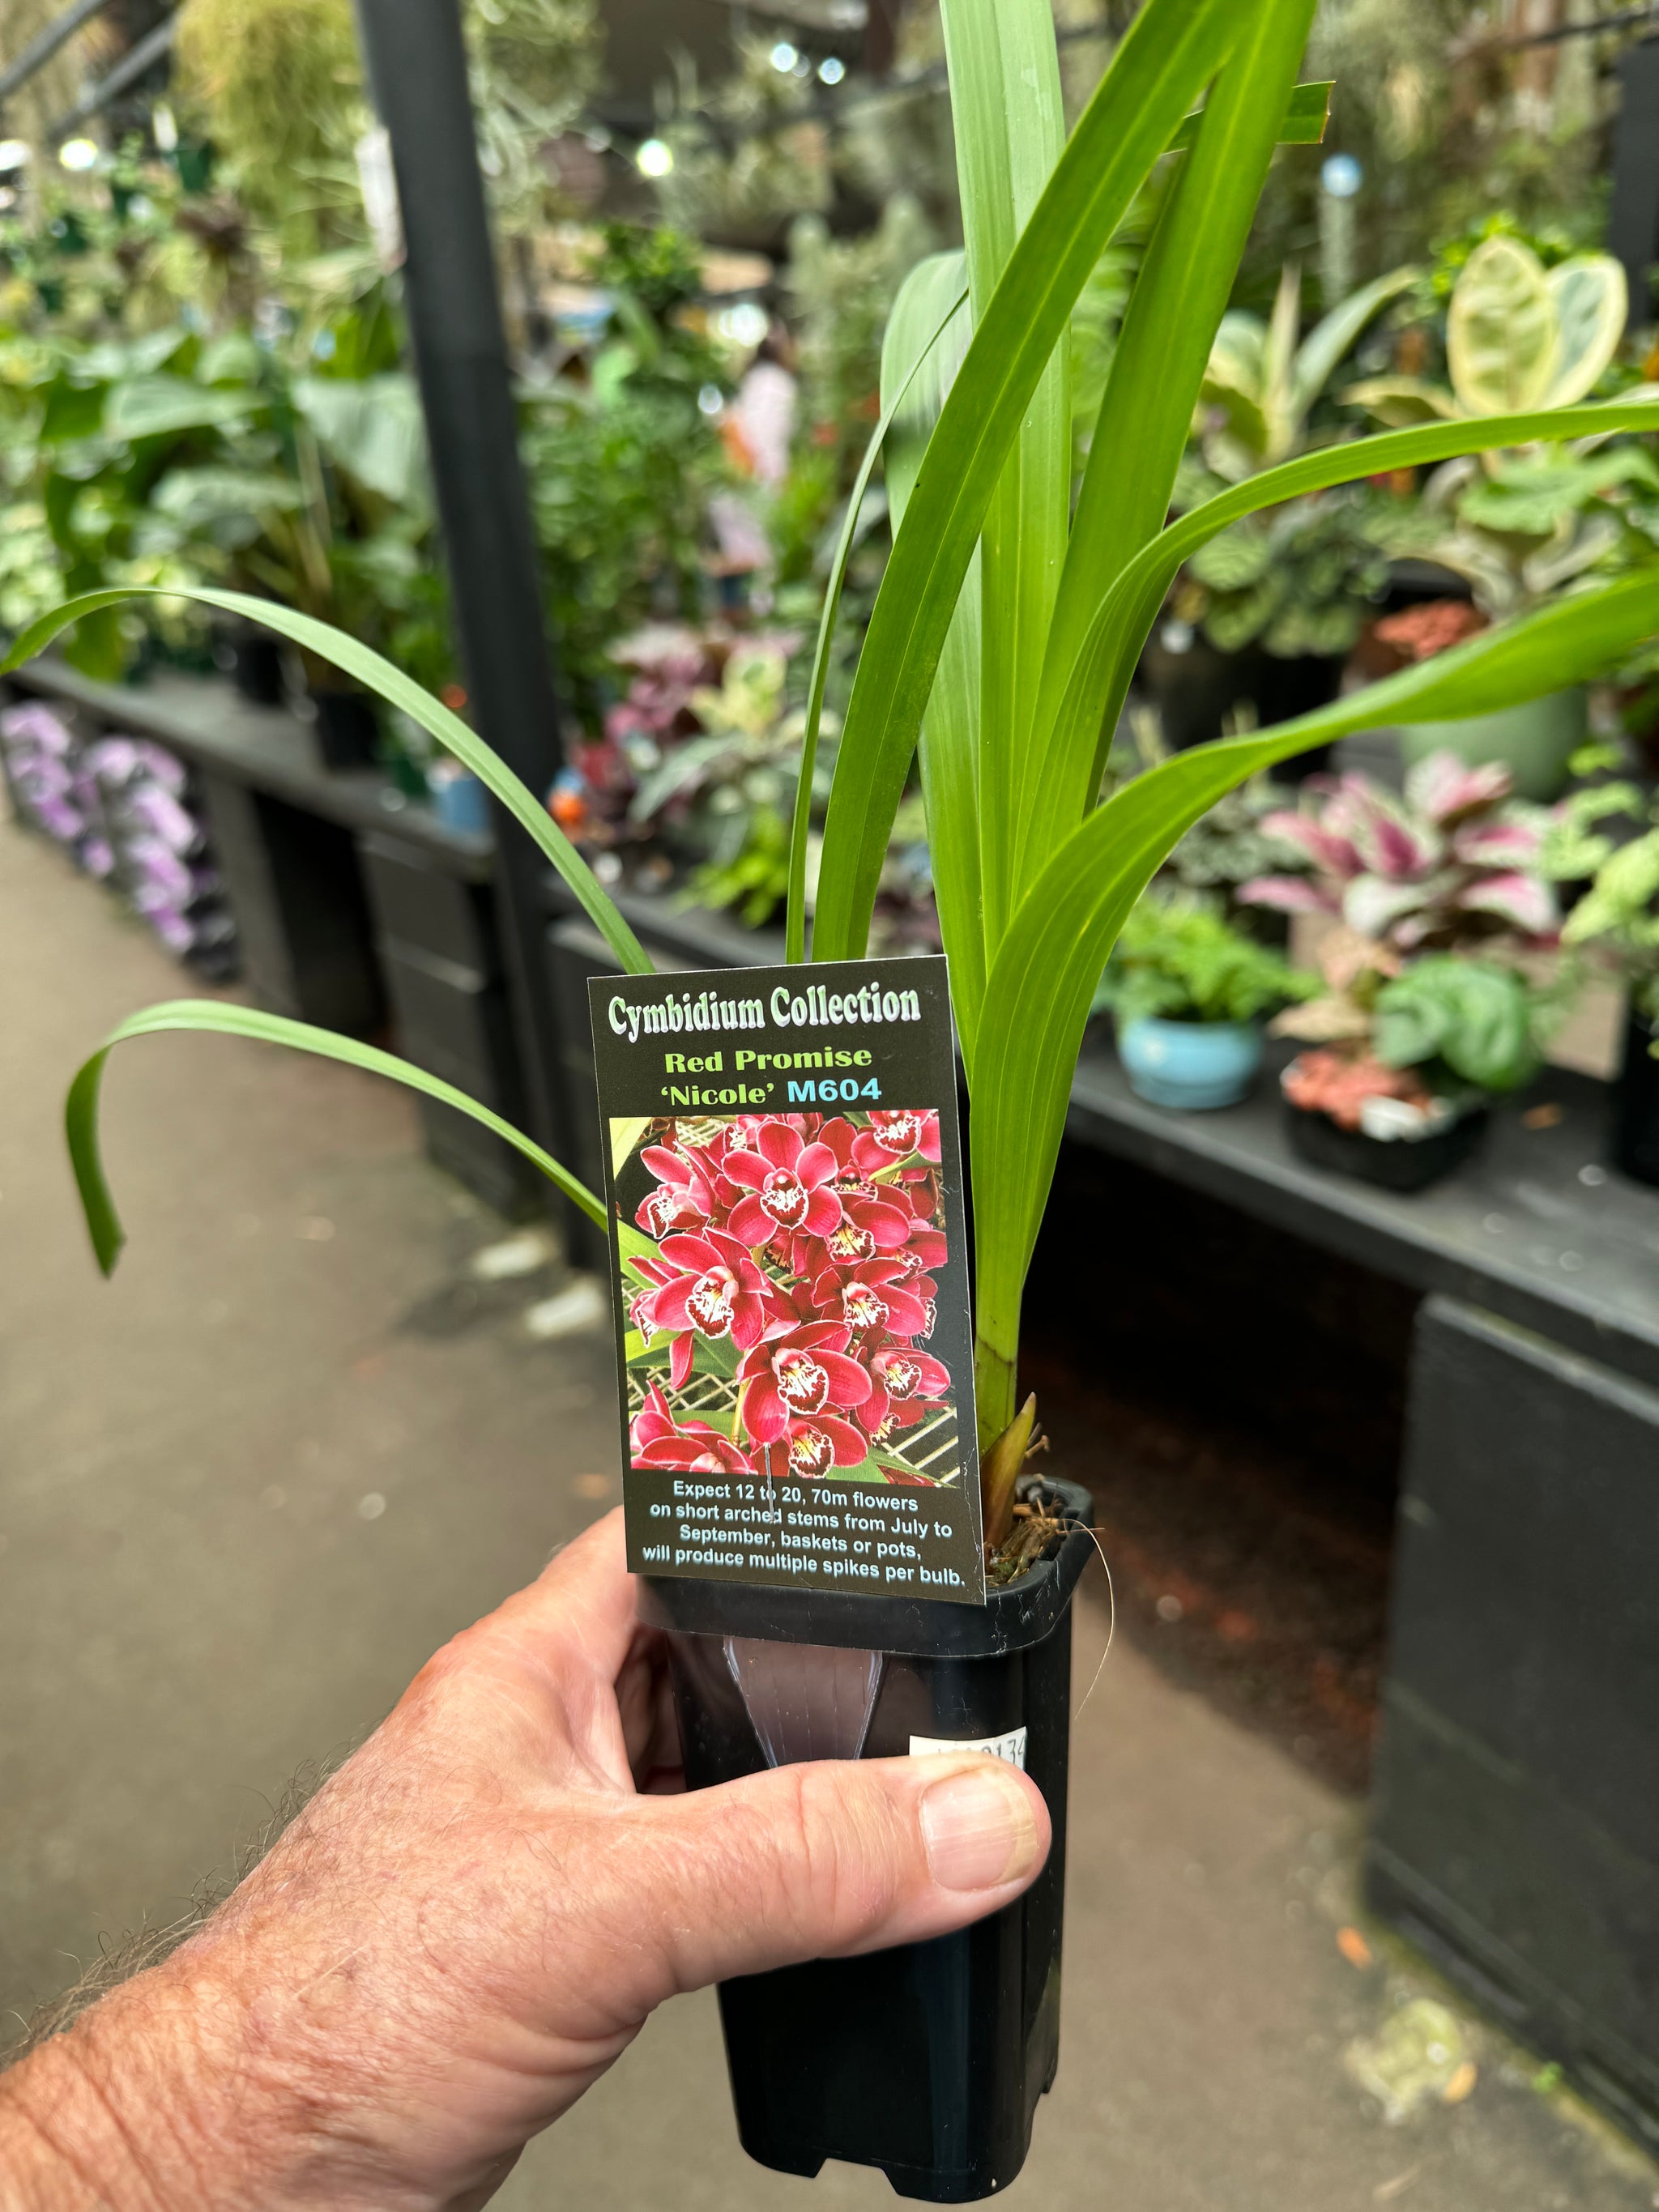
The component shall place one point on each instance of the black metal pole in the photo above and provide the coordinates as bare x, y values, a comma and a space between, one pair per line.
1633, 220
416, 65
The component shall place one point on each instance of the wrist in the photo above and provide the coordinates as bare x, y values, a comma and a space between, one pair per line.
171, 2095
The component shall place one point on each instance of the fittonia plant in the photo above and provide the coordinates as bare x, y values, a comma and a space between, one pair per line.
1012, 612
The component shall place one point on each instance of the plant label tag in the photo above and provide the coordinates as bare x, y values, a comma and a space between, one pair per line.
784, 1181
1010, 1748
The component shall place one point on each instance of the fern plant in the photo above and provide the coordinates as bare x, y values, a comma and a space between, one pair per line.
1009, 618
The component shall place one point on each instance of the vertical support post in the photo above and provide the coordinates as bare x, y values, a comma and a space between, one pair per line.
1633, 221
415, 60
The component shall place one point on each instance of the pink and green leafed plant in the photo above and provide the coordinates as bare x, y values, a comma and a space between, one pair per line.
1016, 603
1457, 860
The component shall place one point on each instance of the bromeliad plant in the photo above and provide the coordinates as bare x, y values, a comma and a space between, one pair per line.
1010, 617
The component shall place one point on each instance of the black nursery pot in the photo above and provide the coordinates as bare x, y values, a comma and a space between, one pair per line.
926, 2061
1636, 1106
1399, 1166
347, 734
255, 660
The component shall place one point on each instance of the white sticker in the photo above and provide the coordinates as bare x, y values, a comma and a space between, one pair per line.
1010, 1747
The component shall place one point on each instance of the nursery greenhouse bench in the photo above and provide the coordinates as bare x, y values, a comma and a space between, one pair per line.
1514, 1828
354, 904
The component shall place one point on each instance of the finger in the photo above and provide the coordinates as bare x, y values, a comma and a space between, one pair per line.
582, 1604
822, 1861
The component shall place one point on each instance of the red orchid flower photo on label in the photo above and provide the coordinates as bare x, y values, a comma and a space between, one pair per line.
780, 1277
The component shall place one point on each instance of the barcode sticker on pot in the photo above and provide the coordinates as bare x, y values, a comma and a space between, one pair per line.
784, 1180
1010, 1747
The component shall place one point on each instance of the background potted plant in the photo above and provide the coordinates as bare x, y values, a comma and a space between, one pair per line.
1187, 988
1521, 525
1282, 596
1426, 902
1618, 919
1403, 1097
1013, 688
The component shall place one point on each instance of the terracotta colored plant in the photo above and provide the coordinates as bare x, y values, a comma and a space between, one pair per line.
1419, 633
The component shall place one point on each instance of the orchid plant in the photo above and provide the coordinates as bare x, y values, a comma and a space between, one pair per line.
1015, 606
787, 1259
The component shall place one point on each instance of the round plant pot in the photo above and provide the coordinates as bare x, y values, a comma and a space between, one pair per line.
1636, 1106
1284, 689
1194, 1065
253, 658
347, 734
1397, 1164
1535, 742
459, 800
926, 2061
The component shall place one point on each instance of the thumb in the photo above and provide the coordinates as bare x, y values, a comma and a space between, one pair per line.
826, 1859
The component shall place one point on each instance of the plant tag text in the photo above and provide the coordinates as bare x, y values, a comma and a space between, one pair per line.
784, 1180
1010, 1748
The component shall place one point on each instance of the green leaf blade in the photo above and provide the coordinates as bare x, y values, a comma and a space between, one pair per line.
1163, 353
390, 683
80, 1107
1042, 982
1100, 677
1158, 68
800, 827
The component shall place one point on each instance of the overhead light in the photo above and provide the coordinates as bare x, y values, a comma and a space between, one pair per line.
831, 69
746, 325
784, 56
14, 153
655, 158
78, 153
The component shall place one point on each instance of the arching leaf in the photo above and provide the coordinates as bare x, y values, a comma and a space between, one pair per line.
81, 1109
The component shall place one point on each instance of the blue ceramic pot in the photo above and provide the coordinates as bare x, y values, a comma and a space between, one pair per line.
460, 800
1193, 1065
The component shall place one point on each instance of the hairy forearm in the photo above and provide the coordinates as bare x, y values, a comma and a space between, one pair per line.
161, 2098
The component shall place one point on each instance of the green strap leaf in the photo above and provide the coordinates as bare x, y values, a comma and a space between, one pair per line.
1306, 121
81, 1109
1043, 980
950, 731
1008, 120
1100, 679
795, 933
1161, 354
390, 684
1170, 50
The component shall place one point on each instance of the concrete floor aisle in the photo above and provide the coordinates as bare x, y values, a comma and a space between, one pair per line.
247, 1487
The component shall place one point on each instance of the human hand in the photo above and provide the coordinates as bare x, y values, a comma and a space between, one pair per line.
473, 1918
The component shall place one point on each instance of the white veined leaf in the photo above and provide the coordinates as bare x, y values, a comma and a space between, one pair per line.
1592, 304
1503, 340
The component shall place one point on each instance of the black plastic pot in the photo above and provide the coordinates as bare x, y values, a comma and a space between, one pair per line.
1195, 689
348, 734
254, 660
1400, 1166
1636, 1106
1284, 689
926, 2061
